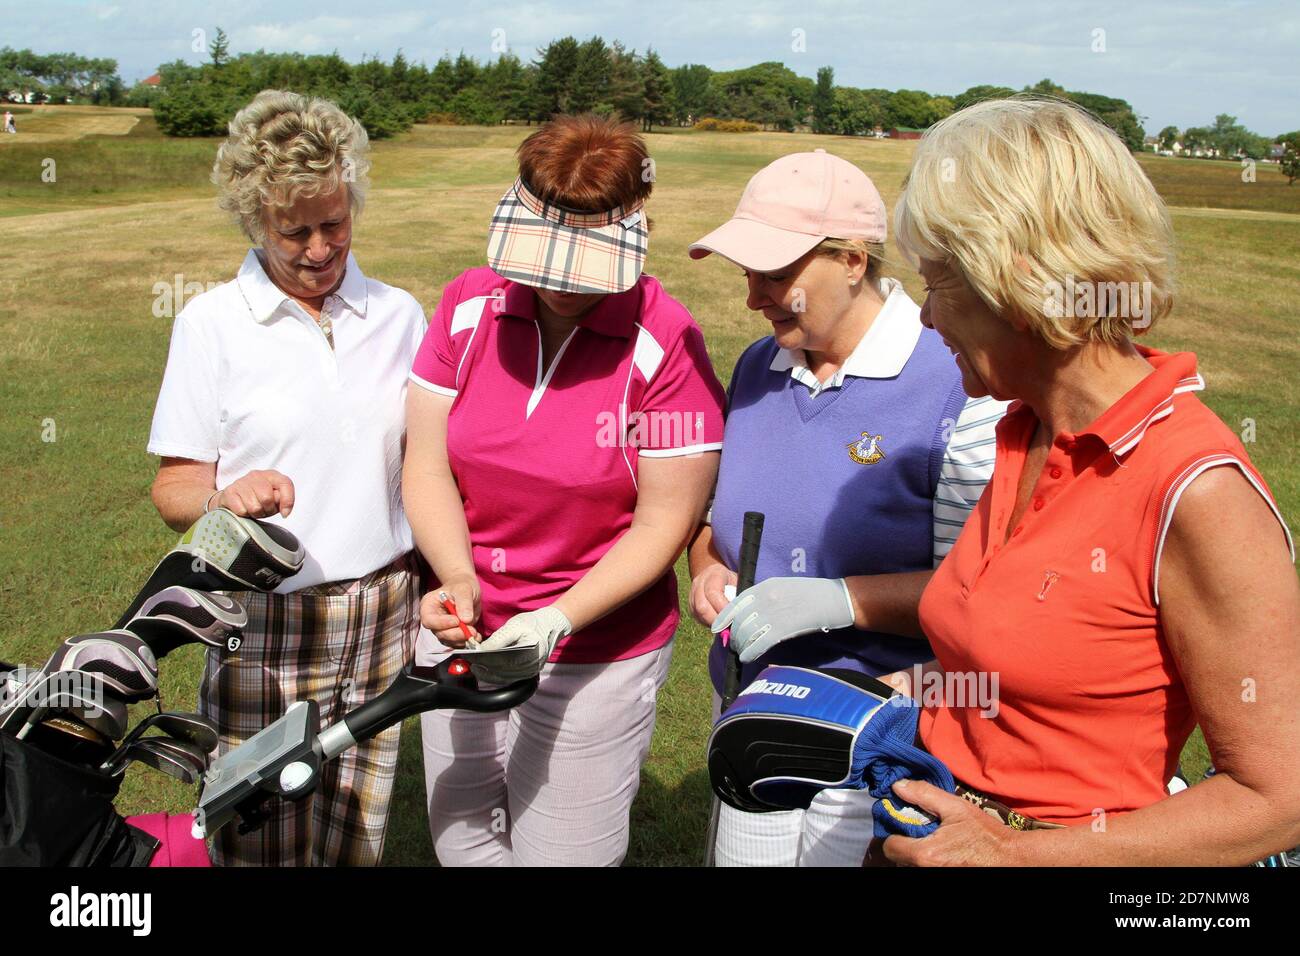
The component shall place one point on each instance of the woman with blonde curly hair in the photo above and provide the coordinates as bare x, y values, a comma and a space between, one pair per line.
283, 399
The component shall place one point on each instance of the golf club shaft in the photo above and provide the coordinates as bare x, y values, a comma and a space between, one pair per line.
750, 538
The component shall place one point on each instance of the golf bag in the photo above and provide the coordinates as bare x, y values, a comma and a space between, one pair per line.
55, 813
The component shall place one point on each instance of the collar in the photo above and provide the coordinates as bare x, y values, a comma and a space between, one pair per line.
880, 353
615, 315
1122, 426
264, 297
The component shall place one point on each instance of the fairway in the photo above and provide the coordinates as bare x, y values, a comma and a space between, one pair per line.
82, 352
48, 124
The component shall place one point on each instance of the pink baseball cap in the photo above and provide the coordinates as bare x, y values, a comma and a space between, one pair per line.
790, 206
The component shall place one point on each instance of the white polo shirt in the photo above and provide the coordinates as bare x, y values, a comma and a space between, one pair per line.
252, 384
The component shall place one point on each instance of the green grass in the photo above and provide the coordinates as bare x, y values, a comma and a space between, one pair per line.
79, 346
1219, 183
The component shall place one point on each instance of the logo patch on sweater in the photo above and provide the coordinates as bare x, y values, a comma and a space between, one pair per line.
866, 450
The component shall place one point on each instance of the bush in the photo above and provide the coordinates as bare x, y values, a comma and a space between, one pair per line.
196, 109
472, 107
379, 113
142, 94
711, 124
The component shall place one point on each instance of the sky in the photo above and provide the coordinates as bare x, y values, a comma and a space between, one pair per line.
1178, 63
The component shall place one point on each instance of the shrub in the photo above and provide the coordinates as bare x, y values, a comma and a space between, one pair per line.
711, 124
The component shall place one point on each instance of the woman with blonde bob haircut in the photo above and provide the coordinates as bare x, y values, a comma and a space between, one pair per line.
283, 399
1126, 573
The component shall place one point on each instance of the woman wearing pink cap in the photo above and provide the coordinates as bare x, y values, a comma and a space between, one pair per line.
563, 439
849, 429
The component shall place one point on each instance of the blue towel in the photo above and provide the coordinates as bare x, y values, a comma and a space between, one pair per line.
885, 753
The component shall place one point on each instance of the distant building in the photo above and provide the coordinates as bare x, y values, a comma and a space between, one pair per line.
154, 80
1277, 151
905, 132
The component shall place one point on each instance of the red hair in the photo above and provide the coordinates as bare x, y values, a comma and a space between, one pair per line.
586, 162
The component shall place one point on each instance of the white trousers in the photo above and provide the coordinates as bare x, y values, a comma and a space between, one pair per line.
835, 830
551, 782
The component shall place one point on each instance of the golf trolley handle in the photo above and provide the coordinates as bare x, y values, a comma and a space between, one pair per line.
448, 684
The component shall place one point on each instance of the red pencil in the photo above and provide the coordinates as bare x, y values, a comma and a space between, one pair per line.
450, 607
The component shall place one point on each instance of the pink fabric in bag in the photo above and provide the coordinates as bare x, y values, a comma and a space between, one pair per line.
179, 847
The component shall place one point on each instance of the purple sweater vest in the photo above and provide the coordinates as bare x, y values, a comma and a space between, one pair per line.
846, 481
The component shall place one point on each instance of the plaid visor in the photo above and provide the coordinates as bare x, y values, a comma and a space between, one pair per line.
548, 246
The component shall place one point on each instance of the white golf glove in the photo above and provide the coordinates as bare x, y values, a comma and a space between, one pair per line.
543, 627
778, 609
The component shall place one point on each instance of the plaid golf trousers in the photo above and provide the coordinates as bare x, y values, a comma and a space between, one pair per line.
340, 644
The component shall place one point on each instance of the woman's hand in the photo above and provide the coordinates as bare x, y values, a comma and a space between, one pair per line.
778, 609
967, 836
707, 596
542, 629
259, 494
465, 594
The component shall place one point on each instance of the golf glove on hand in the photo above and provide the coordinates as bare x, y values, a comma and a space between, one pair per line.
778, 609
543, 627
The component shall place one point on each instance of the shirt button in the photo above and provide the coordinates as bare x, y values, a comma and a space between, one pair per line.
1055, 472
1038, 504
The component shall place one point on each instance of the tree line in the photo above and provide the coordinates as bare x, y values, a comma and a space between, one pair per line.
60, 77
568, 75
1224, 137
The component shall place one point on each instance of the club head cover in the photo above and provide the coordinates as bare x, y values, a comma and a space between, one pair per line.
124, 661
224, 552
794, 732
177, 616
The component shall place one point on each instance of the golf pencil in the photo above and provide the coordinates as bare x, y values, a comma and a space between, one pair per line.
450, 607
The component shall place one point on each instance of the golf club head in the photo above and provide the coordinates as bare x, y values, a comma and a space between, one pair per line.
179, 748
124, 661
224, 552
161, 758
193, 729
78, 694
177, 616
71, 740
97, 708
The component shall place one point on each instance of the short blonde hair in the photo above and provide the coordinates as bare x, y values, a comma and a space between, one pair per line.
1029, 196
283, 146
874, 251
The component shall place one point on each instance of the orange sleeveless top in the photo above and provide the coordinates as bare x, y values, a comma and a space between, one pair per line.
1091, 713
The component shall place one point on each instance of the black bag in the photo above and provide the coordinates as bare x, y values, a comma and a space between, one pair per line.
55, 813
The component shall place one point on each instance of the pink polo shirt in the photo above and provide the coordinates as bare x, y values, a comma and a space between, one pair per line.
546, 458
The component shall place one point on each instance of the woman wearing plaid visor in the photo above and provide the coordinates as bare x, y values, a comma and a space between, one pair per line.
562, 444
